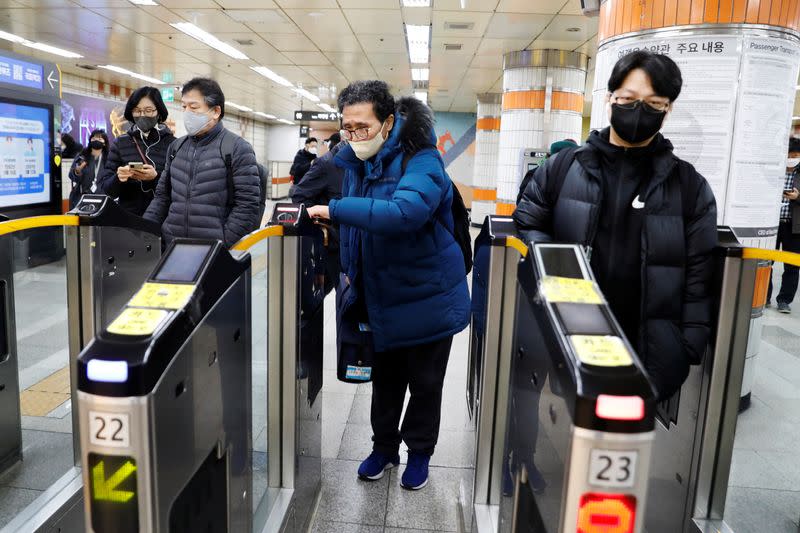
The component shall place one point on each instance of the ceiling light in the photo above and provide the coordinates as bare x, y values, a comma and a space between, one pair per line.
120, 70
421, 95
143, 2
289, 122
38, 46
795, 118
203, 36
416, 3
463, 4
327, 108
420, 74
315, 14
306, 94
419, 41
237, 106
267, 73
265, 115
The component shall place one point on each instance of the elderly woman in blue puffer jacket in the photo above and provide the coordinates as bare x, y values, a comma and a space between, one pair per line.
402, 266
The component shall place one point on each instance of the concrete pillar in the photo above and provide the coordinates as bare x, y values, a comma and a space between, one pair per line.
487, 139
542, 103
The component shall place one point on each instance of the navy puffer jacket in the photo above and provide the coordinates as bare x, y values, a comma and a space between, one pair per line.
397, 236
198, 204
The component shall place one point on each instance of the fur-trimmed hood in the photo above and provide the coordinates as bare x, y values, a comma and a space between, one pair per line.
416, 124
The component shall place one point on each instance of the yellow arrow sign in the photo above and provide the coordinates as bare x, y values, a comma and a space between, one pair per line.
105, 489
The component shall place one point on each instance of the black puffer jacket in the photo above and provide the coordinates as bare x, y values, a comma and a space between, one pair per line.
135, 195
198, 203
301, 164
322, 183
676, 244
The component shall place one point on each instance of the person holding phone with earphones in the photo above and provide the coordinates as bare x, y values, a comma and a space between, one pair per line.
138, 157
789, 229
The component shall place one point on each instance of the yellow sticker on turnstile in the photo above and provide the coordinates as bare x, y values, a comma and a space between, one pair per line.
601, 350
162, 296
132, 321
571, 290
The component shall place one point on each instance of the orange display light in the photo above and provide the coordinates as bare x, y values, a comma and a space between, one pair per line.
606, 513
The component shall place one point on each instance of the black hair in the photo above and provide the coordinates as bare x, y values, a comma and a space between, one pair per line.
794, 144
375, 92
311, 140
30, 140
664, 74
68, 140
87, 152
153, 94
211, 91
334, 140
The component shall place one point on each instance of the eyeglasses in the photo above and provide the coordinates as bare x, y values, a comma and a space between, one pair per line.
146, 112
359, 134
650, 105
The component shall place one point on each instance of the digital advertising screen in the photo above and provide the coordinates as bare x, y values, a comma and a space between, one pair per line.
25, 137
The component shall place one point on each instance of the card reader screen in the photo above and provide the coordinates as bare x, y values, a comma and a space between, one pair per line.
561, 262
183, 263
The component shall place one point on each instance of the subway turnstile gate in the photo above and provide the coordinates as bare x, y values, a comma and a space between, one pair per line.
164, 400
108, 254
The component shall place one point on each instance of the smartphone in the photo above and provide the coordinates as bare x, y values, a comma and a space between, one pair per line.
788, 191
136, 165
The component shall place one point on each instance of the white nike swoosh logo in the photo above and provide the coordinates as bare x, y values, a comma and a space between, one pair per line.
637, 203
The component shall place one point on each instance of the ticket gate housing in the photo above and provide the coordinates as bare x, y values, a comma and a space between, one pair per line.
164, 400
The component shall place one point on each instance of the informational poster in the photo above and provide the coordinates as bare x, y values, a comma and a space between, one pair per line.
80, 115
731, 120
25, 136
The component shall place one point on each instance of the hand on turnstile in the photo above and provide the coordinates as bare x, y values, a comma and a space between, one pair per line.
319, 212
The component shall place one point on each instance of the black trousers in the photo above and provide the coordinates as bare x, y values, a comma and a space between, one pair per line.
789, 242
420, 369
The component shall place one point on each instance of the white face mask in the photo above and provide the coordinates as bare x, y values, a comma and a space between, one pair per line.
792, 162
194, 122
312, 151
366, 149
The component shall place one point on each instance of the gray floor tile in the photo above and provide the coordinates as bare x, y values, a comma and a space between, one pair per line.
782, 338
356, 442
750, 469
13, 501
347, 499
359, 414
364, 388
324, 526
46, 457
332, 439
43, 423
404, 530
434, 507
331, 384
787, 464
750, 510
336, 407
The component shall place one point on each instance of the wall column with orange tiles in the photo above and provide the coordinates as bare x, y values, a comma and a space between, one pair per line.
487, 139
542, 103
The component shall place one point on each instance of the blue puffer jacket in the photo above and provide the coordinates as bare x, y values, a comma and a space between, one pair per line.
401, 226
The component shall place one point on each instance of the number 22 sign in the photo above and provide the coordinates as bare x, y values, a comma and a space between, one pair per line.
612, 468
109, 429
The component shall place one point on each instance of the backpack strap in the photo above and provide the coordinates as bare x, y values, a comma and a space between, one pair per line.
226, 146
172, 151
558, 173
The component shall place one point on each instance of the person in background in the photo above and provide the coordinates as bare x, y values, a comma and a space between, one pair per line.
198, 194
554, 149
146, 142
404, 275
303, 159
321, 184
70, 148
87, 167
649, 217
789, 229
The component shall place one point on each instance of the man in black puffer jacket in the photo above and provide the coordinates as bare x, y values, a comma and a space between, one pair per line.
195, 196
649, 217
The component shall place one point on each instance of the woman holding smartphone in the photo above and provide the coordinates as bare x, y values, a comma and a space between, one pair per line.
137, 158
87, 167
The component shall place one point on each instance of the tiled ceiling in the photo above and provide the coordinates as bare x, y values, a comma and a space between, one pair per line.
320, 45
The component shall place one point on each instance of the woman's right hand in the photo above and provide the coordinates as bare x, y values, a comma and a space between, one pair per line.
124, 173
79, 168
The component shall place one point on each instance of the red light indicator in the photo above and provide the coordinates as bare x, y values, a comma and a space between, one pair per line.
619, 407
606, 513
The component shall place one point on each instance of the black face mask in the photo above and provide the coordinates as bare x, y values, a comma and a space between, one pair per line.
637, 124
145, 124
97, 145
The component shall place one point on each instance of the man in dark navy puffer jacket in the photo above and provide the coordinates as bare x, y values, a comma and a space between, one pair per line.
195, 203
649, 217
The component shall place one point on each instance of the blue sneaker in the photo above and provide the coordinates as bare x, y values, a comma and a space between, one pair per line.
374, 466
416, 475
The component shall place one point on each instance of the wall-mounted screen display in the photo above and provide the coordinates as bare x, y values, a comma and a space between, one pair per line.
25, 137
